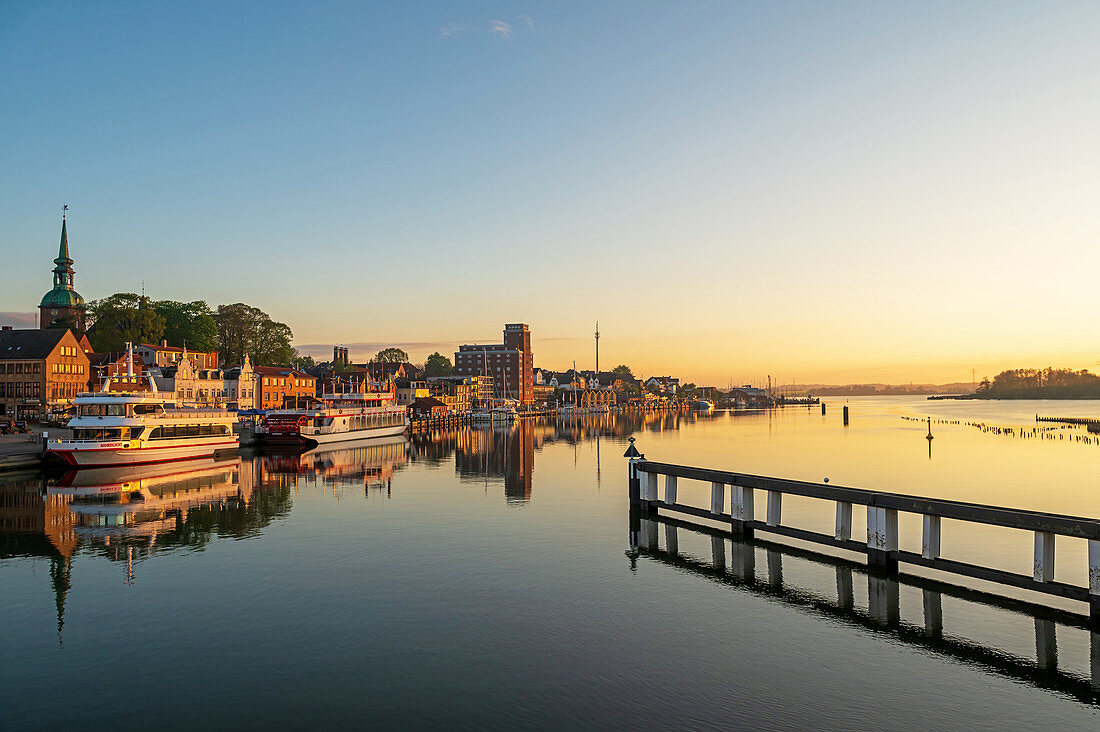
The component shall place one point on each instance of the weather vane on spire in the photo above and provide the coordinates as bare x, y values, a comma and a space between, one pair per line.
64, 209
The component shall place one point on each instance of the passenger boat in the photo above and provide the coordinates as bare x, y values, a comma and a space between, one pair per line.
140, 428
339, 417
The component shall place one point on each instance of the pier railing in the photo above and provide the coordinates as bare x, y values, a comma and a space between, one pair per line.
881, 545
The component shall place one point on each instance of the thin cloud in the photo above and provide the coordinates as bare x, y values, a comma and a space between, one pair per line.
19, 320
501, 28
453, 30
526, 19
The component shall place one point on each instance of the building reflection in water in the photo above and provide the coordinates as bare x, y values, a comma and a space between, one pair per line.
733, 562
130, 514
505, 454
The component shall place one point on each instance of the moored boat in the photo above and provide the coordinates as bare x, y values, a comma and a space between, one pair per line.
140, 428
339, 417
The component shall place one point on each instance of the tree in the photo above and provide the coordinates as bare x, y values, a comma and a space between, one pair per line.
391, 355
302, 363
622, 370
245, 330
122, 318
188, 324
438, 365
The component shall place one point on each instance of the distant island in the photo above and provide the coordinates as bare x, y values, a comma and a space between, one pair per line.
876, 389
1048, 383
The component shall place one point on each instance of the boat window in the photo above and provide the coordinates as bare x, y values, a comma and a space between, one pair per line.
102, 435
115, 410
147, 408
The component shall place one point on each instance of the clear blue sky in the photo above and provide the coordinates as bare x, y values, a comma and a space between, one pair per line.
856, 191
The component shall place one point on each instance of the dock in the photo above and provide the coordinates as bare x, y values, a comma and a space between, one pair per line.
19, 452
1086, 421
881, 545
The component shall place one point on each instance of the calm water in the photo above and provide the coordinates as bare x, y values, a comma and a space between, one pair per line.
485, 578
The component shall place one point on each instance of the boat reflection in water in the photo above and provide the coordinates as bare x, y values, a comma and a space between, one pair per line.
116, 504
907, 607
369, 463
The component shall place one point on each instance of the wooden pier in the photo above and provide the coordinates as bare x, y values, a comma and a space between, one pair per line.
1086, 421
733, 563
881, 545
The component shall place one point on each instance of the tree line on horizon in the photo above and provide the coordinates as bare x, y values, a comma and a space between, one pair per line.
235, 330
1048, 383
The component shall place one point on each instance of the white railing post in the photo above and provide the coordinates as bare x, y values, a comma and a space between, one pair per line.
775, 508
1044, 556
717, 497
649, 493
930, 542
670, 489
843, 521
743, 509
882, 536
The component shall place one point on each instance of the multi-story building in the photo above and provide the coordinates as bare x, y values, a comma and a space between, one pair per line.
279, 386
408, 392
459, 393
164, 355
40, 372
510, 363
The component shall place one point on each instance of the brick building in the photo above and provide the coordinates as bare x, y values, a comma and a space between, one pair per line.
40, 372
510, 363
279, 386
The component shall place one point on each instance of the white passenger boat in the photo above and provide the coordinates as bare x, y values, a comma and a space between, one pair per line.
140, 428
339, 417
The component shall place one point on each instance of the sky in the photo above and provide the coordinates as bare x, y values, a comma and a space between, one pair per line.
820, 192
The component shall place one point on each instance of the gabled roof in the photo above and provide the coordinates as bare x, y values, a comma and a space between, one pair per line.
280, 371
30, 343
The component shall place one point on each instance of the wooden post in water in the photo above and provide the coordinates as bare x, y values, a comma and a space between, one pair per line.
822, 409
845, 415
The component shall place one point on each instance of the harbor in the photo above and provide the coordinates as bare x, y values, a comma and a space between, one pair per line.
554, 490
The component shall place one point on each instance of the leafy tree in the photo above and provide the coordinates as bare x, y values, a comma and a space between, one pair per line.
391, 355
438, 365
121, 318
188, 323
622, 370
243, 329
302, 363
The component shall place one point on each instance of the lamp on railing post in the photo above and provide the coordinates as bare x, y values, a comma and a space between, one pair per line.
633, 482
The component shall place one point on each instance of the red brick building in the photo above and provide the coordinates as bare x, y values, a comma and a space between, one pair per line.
510, 363
279, 386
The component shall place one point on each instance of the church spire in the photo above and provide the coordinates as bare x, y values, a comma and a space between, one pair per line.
63, 258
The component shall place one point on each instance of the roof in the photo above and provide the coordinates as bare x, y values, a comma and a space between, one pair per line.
280, 371
63, 298
428, 403
30, 343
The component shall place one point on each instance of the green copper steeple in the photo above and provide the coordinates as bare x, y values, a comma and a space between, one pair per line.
63, 303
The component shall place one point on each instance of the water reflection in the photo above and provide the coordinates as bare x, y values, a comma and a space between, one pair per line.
883, 610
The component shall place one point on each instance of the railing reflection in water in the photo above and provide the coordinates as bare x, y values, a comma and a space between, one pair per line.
733, 562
